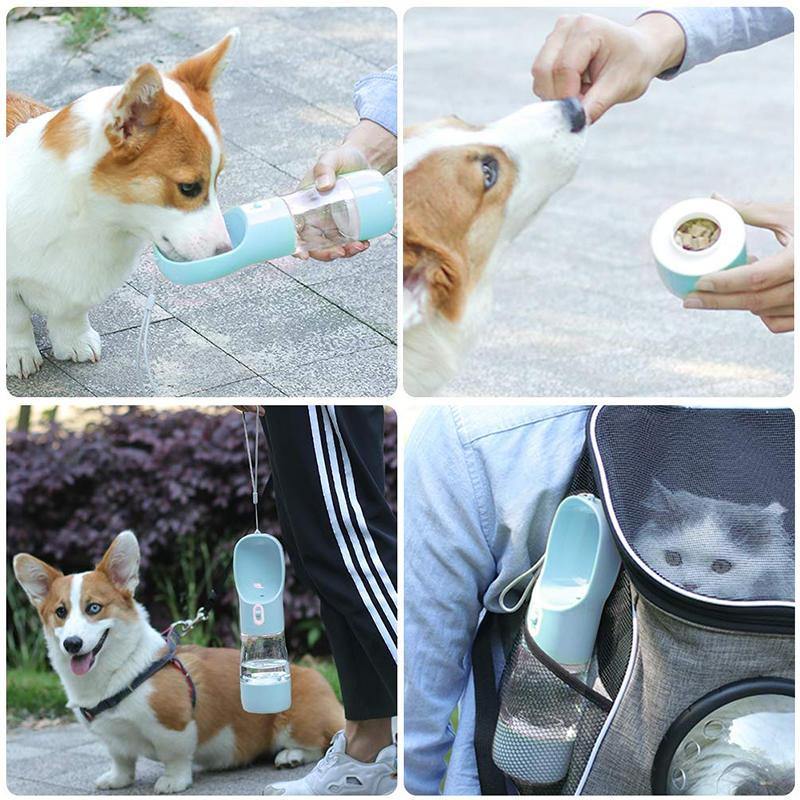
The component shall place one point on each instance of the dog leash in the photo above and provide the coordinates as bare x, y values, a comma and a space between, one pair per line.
172, 636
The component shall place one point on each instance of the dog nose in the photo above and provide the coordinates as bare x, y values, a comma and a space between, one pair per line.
222, 248
574, 113
73, 644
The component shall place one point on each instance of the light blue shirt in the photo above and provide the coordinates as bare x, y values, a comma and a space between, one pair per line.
481, 487
712, 32
375, 98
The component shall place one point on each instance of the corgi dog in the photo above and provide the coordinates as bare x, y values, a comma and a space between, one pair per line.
90, 185
99, 640
467, 192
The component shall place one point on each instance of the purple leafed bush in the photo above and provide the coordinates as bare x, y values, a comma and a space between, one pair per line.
179, 480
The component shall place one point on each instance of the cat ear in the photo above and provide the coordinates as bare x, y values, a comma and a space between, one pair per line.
659, 497
775, 508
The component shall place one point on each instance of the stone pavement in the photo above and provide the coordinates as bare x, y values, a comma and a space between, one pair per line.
281, 328
66, 759
579, 309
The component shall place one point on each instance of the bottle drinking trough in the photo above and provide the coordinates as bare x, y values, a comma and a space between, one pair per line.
259, 572
580, 568
359, 207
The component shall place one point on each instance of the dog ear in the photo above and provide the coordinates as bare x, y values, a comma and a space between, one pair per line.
121, 562
35, 577
201, 71
136, 110
434, 275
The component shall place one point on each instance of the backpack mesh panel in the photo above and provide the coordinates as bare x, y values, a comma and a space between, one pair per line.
705, 497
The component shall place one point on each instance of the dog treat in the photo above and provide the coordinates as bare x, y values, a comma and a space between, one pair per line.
697, 234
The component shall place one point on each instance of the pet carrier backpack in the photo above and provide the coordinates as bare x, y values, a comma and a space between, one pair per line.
690, 689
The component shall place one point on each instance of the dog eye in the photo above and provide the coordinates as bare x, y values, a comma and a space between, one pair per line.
61, 612
94, 608
673, 558
190, 189
722, 565
491, 169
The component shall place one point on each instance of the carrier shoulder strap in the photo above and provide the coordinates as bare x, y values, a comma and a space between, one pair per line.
487, 697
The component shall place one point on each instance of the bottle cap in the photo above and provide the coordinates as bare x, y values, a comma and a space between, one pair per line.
375, 202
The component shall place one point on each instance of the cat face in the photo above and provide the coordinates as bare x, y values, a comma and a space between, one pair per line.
715, 547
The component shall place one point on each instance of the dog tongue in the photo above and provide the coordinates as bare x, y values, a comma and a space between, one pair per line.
80, 665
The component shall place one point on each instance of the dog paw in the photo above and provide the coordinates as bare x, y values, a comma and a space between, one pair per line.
290, 758
84, 347
22, 361
113, 780
169, 784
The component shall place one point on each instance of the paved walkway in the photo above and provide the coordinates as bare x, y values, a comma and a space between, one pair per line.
579, 309
66, 760
285, 327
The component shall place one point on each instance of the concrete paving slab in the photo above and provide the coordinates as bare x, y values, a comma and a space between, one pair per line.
277, 106
60, 766
249, 387
321, 378
578, 306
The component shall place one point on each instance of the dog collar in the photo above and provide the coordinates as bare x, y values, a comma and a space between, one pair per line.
172, 638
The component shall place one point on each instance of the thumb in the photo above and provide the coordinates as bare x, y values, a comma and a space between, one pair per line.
324, 171
598, 99
776, 217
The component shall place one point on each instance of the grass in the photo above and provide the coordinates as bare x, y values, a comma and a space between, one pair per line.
34, 693
88, 24
31, 693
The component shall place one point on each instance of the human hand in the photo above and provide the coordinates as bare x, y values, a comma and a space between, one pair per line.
604, 63
765, 287
367, 146
251, 409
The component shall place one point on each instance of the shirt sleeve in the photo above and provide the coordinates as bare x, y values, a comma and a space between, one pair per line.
448, 566
712, 32
375, 99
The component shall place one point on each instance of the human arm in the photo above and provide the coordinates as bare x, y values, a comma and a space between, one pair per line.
605, 63
448, 566
370, 144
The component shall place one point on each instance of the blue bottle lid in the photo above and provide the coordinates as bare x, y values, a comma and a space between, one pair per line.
259, 573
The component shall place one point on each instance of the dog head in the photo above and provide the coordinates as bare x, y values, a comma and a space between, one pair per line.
85, 616
154, 150
468, 190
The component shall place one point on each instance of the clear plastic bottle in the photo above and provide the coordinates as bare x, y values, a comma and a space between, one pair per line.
325, 220
264, 660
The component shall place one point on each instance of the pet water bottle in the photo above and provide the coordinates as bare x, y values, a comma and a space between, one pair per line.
580, 569
359, 207
259, 573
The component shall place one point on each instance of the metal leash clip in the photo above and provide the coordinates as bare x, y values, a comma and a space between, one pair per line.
183, 626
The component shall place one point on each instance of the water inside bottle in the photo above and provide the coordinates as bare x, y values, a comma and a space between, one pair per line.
265, 671
328, 225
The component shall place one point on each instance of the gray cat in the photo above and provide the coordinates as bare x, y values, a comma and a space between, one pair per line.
717, 548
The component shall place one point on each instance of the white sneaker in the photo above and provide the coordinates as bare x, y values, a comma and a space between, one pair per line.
338, 773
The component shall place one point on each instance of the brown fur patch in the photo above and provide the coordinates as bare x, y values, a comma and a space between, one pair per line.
97, 587
64, 133
59, 595
20, 108
315, 714
451, 223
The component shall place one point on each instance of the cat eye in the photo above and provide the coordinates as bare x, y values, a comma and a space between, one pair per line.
673, 558
61, 612
190, 189
94, 608
491, 170
722, 565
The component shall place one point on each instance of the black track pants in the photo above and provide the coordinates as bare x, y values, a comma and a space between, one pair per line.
341, 536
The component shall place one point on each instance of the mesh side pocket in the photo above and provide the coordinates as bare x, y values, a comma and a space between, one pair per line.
542, 721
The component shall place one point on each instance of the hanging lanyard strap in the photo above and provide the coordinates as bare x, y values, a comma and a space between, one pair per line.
252, 463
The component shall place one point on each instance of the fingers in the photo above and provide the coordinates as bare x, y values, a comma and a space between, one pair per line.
344, 251
601, 95
325, 169
542, 70
777, 217
753, 277
779, 324
746, 301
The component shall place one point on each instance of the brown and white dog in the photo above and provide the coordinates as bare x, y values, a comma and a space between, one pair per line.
91, 184
99, 639
468, 191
